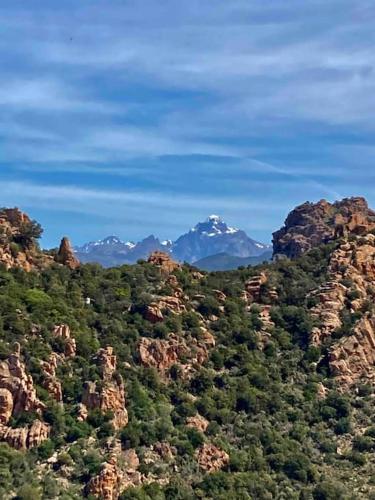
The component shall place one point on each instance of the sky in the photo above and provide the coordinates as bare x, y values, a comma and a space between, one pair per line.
138, 117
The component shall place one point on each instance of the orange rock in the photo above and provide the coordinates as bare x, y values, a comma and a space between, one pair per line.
312, 224
66, 256
106, 485
197, 422
211, 459
164, 261
19, 384
63, 331
110, 396
23, 438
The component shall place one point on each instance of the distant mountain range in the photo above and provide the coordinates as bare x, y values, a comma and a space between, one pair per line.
205, 240
225, 262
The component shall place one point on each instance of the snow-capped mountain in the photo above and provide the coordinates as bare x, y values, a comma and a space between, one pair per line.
211, 237
112, 251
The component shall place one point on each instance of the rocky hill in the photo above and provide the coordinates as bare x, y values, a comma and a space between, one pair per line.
312, 224
160, 381
19, 244
205, 239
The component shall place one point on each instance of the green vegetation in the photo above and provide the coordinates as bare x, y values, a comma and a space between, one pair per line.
261, 403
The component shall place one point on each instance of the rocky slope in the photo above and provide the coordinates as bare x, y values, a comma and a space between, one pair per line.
159, 381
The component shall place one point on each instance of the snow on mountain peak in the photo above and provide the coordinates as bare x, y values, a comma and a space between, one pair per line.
213, 218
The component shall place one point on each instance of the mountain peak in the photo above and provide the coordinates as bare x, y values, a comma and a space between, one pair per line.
214, 218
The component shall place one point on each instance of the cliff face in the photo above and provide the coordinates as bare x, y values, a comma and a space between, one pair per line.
350, 287
312, 224
18, 395
110, 396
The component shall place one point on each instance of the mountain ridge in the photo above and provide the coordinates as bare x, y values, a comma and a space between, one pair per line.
206, 238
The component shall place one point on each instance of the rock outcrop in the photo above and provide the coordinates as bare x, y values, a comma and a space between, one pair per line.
352, 359
211, 459
107, 484
63, 332
154, 311
15, 380
50, 382
312, 224
254, 288
164, 261
162, 354
66, 255
18, 246
18, 395
197, 422
109, 396
351, 288
23, 438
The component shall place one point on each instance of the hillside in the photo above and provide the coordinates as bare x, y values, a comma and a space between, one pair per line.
224, 262
161, 381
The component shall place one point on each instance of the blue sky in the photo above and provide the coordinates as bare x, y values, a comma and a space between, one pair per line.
133, 118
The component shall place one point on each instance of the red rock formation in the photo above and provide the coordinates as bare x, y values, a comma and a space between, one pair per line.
6, 405
197, 422
51, 383
107, 484
17, 395
110, 397
17, 241
253, 289
63, 331
352, 359
312, 224
66, 255
211, 459
154, 311
221, 297
23, 438
162, 354
352, 262
14, 378
164, 261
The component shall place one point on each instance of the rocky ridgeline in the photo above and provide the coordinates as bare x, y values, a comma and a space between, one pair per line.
350, 286
18, 244
312, 224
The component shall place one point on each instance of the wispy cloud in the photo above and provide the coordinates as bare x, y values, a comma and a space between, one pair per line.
131, 99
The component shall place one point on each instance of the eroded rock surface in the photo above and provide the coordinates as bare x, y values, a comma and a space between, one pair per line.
107, 484
66, 255
162, 354
164, 261
18, 395
23, 438
154, 311
13, 378
211, 458
312, 224
110, 395
351, 288
352, 359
